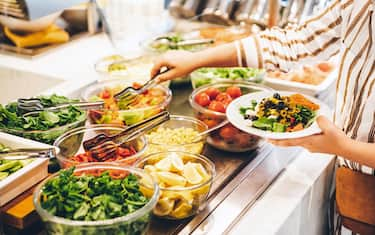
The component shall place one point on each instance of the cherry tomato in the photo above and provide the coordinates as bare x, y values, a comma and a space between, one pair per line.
228, 132
217, 106
123, 152
105, 94
210, 122
234, 91
202, 99
212, 92
223, 97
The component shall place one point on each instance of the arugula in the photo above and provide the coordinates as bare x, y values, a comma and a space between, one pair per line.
91, 198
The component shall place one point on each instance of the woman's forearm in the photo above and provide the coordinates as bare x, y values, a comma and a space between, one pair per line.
363, 153
220, 56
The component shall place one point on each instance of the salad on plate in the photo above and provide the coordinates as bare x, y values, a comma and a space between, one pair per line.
281, 113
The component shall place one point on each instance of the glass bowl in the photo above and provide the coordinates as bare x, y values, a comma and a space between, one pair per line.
133, 223
227, 138
50, 135
177, 201
113, 114
163, 141
71, 149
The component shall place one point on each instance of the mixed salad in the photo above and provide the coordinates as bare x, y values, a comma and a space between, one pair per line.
12, 120
205, 76
119, 112
281, 113
94, 196
8, 167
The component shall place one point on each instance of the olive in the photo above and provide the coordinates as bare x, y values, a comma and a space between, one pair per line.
277, 96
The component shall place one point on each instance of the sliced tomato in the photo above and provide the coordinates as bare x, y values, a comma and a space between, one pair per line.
217, 106
223, 97
234, 91
212, 92
202, 99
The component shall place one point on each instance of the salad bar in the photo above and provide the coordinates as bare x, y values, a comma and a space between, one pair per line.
123, 155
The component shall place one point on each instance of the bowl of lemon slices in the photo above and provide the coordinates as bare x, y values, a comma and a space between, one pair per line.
184, 179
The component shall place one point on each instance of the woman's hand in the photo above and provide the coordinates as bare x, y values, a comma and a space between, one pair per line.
178, 63
332, 140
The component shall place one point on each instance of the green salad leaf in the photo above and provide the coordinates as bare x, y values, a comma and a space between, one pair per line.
91, 198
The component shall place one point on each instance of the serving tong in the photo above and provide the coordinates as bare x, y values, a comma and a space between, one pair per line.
103, 147
165, 40
33, 106
27, 153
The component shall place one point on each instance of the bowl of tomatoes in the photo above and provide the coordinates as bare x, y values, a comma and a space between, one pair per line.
210, 102
72, 152
117, 111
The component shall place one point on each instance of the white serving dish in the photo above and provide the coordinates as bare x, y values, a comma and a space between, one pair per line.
307, 89
26, 177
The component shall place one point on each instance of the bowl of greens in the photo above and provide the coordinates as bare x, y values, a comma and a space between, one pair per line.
205, 76
97, 198
44, 127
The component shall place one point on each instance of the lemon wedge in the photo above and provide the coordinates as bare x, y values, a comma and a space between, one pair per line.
164, 164
177, 165
171, 178
191, 174
182, 210
164, 206
201, 170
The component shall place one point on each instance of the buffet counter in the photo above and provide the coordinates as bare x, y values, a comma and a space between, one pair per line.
268, 191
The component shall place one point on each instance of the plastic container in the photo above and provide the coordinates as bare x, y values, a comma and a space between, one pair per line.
196, 146
238, 142
129, 116
70, 144
133, 223
180, 202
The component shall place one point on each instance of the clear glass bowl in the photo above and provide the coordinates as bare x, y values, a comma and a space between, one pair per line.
180, 202
129, 116
70, 144
50, 135
195, 147
238, 142
134, 223
205, 76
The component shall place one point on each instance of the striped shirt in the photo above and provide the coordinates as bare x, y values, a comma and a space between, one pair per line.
346, 27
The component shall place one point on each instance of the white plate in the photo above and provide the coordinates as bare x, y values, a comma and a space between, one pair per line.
236, 118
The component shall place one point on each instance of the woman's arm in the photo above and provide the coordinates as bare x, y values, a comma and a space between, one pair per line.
316, 39
332, 140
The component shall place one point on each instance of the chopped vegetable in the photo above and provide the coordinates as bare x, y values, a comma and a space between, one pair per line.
8, 167
204, 76
281, 113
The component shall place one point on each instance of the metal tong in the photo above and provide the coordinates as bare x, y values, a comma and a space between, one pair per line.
129, 94
103, 147
165, 40
27, 153
34, 106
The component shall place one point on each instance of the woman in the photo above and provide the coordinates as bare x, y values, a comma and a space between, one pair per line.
345, 27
